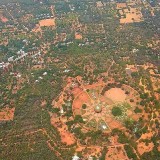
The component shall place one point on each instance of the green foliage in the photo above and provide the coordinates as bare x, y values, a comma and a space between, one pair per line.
97, 134
56, 110
69, 123
129, 123
115, 131
103, 153
137, 110
154, 154
122, 138
78, 119
130, 152
116, 111
84, 106
144, 96
28, 122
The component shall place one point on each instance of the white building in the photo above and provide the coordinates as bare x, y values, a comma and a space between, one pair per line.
90, 158
61, 111
75, 157
45, 73
10, 59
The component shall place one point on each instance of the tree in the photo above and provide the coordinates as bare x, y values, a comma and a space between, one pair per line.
84, 106
129, 124
137, 110
131, 100
78, 119
116, 111
130, 152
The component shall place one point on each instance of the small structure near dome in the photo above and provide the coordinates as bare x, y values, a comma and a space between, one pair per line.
61, 111
104, 126
75, 157
98, 109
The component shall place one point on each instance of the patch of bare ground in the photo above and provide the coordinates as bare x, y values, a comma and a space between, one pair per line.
7, 114
3, 19
43, 103
66, 137
78, 36
116, 94
143, 147
116, 153
47, 22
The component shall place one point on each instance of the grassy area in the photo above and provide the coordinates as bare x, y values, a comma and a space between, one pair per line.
119, 110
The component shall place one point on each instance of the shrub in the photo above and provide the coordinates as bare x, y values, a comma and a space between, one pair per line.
116, 111
84, 106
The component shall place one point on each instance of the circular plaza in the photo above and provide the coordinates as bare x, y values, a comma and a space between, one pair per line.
105, 109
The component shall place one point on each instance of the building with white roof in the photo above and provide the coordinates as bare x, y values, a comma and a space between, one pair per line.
75, 157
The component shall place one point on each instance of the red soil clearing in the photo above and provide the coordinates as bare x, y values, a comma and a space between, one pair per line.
142, 148
116, 95
78, 102
115, 124
76, 91
7, 114
78, 36
47, 22
66, 137
116, 153
3, 19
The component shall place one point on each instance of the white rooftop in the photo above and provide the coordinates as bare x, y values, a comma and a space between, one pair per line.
104, 126
75, 157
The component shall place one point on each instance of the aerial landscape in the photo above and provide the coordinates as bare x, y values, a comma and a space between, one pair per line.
79, 79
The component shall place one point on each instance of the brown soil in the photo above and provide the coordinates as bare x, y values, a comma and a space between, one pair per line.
7, 114
142, 147
116, 94
131, 16
121, 5
47, 22
78, 36
66, 137
116, 153
3, 19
